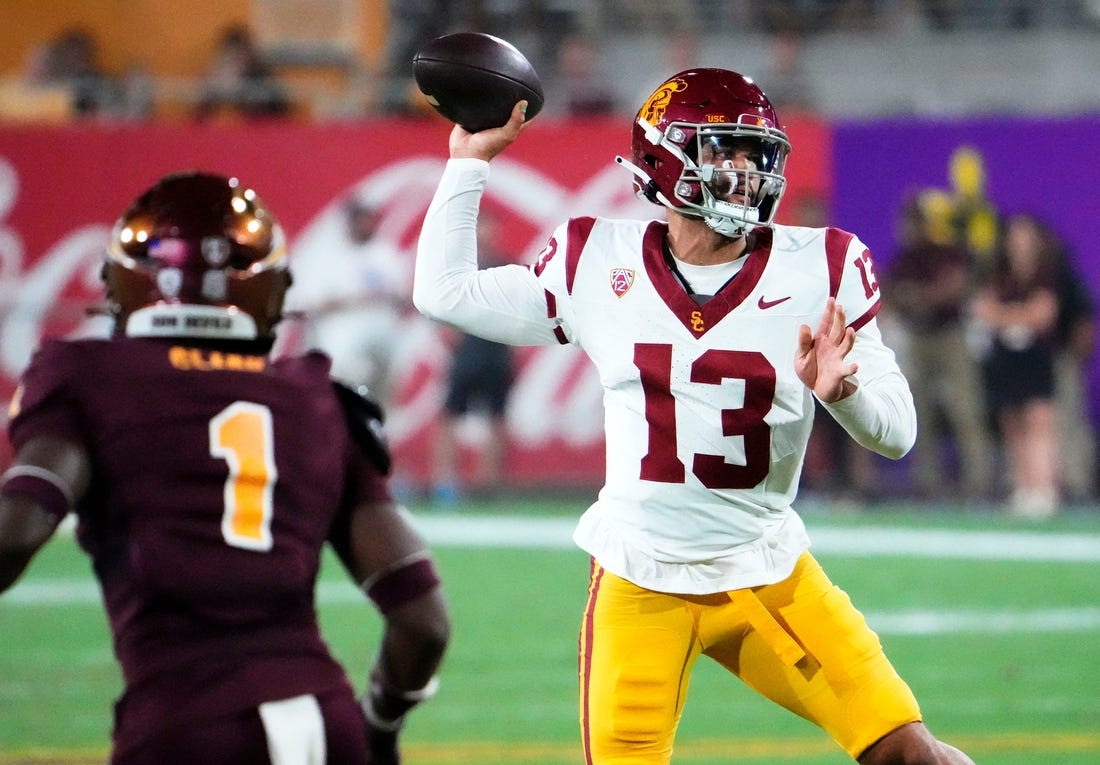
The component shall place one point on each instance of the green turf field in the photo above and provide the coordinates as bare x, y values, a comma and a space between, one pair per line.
995, 624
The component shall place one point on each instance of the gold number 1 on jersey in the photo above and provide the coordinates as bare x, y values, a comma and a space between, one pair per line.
242, 435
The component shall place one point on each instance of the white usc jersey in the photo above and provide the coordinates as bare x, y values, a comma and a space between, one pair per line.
706, 421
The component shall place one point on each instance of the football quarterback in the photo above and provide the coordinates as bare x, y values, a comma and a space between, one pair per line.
715, 334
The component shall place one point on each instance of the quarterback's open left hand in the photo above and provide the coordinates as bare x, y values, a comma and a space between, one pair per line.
819, 361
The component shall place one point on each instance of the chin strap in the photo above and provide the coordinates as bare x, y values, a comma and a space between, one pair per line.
734, 229
730, 229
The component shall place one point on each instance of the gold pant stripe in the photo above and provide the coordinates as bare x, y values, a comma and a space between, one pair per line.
788, 651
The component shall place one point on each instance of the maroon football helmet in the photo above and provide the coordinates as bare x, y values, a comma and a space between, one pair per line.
684, 136
198, 256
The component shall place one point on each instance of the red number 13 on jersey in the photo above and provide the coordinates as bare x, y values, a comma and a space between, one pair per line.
661, 463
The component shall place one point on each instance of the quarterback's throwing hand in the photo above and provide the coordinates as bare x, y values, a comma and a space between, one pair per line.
486, 144
819, 361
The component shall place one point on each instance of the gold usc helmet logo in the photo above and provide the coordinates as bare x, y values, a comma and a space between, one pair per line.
654, 108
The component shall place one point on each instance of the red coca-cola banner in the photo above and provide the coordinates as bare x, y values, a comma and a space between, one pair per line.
62, 188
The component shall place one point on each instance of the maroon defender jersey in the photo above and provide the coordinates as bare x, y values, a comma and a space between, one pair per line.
217, 479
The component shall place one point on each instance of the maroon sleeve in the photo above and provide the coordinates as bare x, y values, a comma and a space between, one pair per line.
369, 484
403, 584
43, 403
363, 483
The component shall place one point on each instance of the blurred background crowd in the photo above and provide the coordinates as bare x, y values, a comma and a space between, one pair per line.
348, 59
992, 320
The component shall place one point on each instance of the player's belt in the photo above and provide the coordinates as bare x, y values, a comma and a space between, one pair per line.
765, 625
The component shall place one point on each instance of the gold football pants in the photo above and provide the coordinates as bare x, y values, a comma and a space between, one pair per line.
799, 642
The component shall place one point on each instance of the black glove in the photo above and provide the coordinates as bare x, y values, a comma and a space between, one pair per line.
385, 712
382, 746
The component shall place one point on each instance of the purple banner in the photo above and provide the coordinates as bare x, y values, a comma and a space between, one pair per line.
1046, 167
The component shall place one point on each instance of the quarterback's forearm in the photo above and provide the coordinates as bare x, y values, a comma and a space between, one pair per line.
505, 303
447, 250
879, 416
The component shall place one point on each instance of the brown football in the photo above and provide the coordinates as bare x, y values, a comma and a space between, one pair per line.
475, 79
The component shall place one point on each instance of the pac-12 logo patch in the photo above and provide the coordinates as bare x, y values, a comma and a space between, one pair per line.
622, 279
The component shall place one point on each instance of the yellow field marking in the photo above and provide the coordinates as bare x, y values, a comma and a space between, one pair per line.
708, 750
551, 753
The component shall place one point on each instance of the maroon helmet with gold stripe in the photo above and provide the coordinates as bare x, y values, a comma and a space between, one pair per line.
197, 255
704, 112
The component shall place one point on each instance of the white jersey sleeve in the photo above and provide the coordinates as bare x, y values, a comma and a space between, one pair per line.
880, 415
507, 303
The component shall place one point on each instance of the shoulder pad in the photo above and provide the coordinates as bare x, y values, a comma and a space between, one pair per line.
364, 417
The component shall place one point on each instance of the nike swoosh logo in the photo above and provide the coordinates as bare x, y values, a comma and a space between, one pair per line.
762, 304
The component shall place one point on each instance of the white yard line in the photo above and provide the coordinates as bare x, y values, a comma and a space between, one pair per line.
555, 533
84, 592
918, 622
471, 530
972, 545
462, 530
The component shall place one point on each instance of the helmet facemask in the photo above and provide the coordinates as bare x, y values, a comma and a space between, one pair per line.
732, 175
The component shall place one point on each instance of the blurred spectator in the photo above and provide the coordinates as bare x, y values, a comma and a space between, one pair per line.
1019, 308
35, 93
94, 92
355, 307
953, 15
682, 50
929, 284
539, 27
239, 83
478, 382
798, 16
785, 80
1076, 334
814, 16
666, 17
975, 219
60, 80
412, 24
138, 94
583, 85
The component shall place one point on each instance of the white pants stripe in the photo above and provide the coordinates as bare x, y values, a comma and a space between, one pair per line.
295, 731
